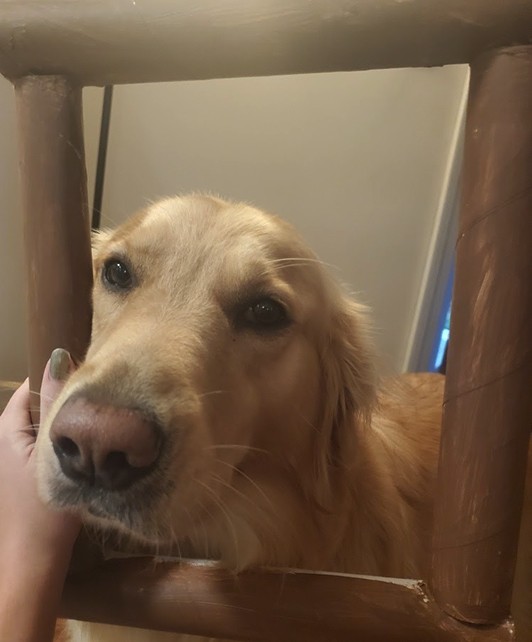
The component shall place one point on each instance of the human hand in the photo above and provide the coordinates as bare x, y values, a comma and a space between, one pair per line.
36, 540
29, 529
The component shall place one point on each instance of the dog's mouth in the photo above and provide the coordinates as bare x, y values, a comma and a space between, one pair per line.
139, 521
132, 511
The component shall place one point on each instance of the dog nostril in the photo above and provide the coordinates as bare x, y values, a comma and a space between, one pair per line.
116, 472
76, 463
116, 462
67, 447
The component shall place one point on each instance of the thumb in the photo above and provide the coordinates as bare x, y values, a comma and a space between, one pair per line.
55, 374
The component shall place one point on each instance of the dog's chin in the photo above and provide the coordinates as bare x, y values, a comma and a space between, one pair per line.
132, 516
116, 538
127, 524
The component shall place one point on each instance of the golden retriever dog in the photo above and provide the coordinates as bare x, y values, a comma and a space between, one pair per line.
228, 408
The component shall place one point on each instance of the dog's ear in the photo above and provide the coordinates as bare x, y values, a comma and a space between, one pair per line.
349, 391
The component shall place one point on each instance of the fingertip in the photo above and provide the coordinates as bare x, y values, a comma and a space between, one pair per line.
60, 364
57, 369
20, 399
24, 389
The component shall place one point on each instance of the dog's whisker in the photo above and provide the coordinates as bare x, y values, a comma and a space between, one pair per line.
300, 259
106, 220
224, 512
248, 478
306, 419
227, 485
213, 392
193, 525
287, 265
267, 515
31, 430
205, 509
39, 394
195, 540
207, 547
238, 446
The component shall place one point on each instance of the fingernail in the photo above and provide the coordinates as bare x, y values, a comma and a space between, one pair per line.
60, 364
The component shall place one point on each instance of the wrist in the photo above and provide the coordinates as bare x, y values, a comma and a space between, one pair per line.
31, 584
41, 552
25, 563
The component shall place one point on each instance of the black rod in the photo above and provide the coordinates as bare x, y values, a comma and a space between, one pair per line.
102, 157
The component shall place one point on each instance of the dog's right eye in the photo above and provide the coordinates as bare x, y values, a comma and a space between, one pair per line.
116, 274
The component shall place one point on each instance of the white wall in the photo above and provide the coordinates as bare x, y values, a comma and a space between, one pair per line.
355, 160
12, 289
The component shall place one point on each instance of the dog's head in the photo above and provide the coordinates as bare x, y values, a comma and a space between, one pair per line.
224, 368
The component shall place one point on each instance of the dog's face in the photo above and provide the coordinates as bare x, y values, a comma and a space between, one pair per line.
222, 361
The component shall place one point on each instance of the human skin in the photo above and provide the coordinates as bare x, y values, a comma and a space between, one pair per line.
36, 540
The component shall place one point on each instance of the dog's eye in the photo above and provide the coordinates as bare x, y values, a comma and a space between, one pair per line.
265, 314
116, 274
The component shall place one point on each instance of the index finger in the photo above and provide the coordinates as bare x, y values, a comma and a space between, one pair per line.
18, 407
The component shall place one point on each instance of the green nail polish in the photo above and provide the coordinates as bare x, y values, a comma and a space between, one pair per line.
59, 364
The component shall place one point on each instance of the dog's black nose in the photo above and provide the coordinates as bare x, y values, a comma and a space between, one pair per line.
104, 446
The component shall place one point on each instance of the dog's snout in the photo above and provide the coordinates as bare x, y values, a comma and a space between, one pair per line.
104, 446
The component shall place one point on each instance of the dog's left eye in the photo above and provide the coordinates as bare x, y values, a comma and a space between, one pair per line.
117, 275
265, 314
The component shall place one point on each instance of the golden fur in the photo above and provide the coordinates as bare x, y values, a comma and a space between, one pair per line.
280, 451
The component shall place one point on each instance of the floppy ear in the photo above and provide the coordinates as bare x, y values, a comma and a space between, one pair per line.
349, 391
